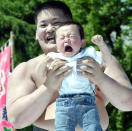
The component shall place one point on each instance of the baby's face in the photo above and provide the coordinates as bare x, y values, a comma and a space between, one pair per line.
68, 40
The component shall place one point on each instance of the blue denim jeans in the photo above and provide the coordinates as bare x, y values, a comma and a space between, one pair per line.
77, 109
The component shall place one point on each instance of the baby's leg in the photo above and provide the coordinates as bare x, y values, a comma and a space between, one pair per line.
64, 120
91, 121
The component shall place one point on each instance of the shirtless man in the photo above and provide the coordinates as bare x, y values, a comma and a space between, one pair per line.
29, 92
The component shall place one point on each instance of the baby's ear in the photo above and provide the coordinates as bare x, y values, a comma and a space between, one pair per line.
83, 43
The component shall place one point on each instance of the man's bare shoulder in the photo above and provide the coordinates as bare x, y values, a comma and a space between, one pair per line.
23, 72
32, 62
21, 78
29, 65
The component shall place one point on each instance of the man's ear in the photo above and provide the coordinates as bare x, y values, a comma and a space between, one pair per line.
83, 43
36, 36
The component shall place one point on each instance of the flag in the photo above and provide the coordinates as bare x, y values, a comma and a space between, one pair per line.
5, 125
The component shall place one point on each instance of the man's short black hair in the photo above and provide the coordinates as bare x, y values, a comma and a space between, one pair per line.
54, 5
79, 26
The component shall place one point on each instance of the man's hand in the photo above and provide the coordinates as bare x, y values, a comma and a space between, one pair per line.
98, 40
91, 69
39, 74
56, 73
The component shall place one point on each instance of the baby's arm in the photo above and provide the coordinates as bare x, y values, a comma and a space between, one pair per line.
106, 55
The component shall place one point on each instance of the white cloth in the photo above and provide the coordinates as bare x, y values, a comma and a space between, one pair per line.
74, 83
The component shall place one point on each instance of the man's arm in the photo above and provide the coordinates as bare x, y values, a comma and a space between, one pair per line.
25, 101
113, 70
116, 86
113, 82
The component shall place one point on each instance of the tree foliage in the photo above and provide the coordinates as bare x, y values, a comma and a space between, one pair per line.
97, 17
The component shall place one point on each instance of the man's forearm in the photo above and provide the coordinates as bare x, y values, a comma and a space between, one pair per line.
119, 95
27, 109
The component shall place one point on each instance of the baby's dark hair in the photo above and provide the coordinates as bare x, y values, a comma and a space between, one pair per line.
54, 5
79, 26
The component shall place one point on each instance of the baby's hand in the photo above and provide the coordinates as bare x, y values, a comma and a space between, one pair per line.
98, 40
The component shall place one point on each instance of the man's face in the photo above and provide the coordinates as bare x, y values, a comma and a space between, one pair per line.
68, 40
47, 22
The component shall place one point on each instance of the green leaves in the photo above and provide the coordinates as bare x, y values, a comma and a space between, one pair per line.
7, 129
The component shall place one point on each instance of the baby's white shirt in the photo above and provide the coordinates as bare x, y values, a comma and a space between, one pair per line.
74, 83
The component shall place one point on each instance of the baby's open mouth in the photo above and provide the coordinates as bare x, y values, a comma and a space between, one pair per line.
68, 48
